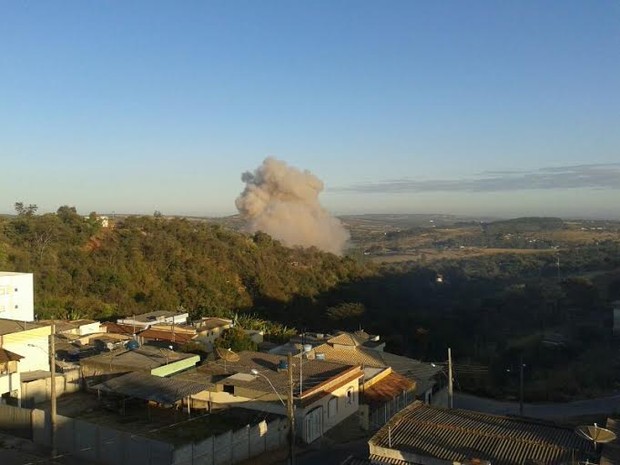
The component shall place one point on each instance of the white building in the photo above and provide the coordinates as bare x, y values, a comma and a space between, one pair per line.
16, 296
10, 385
146, 320
29, 340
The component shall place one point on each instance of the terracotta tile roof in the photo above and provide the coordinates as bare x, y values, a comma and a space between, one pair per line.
8, 356
460, 435
386, 389
420, 372
349, 339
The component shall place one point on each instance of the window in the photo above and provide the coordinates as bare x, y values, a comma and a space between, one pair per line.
350, 396
16, 306
332, 407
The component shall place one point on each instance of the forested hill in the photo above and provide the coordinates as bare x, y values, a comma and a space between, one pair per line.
149, 263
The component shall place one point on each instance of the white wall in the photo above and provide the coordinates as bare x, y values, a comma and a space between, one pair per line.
31, 344
10, 383
16, 296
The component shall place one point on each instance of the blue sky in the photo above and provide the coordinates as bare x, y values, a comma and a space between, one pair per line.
481, 108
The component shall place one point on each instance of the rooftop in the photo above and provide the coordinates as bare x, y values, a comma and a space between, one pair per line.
210, 322
422, 373
164, 335
8, 356
152, 317
460, 435
386, 389
14, 326
149, 387
144, 358
315, 372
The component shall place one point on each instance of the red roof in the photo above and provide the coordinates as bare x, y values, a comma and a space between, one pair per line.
8, 356
121, 329
158, 335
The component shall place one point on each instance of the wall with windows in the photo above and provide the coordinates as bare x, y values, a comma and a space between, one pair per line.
328, 411
16, 296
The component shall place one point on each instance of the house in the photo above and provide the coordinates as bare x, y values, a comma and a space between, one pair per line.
425, 435
210, 328
16, 296
158, 362
29, 340
147, 320
327, 394
350, 349
74, 327
383, 393
10, 384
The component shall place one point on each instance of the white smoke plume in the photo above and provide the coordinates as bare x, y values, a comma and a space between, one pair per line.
282, 201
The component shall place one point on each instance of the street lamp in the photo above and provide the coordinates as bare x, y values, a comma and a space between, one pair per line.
289, 406
255, 372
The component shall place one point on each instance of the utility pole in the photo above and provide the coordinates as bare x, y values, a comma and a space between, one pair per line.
450, 387
290, 413
521, 386
52, 355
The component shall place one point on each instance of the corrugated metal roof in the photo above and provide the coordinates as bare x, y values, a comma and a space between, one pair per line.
459, 435
148, 387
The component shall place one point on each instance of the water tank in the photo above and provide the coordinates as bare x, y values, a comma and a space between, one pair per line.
132, 345
320, 356
307, 347
283, 365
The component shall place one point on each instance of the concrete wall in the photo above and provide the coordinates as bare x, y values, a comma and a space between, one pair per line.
17, 421
39, 390
234, 446
106, 446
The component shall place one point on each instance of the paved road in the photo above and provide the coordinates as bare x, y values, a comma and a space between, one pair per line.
552, 411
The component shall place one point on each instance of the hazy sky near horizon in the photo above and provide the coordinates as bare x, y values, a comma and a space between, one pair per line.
477, 107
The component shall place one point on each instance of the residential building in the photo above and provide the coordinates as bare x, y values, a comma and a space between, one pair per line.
210, 328
146, 320
29, 340
10, 384
74, 327
350, 349
425, 435
328, 392
383, 393
16, 296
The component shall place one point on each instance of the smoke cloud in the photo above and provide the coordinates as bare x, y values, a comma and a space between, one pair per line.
283, 202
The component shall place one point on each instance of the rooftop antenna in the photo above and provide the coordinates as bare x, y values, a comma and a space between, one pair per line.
596, 434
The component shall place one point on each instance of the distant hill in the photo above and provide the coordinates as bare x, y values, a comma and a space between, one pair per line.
524, 224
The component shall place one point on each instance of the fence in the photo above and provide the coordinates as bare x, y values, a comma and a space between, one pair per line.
108, 446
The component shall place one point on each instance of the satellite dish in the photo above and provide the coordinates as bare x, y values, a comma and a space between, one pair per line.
596, 434
227, 354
